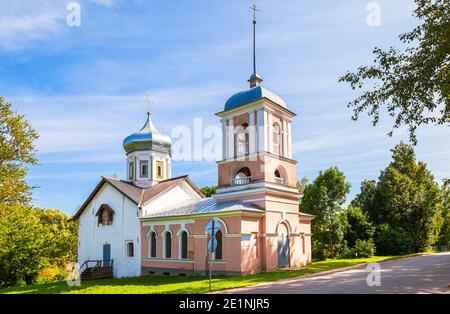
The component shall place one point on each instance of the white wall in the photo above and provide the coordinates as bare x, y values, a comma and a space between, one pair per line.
125, 226
151, 157
180, 192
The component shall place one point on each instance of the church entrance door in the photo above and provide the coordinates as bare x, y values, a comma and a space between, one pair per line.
106, 255
283, 251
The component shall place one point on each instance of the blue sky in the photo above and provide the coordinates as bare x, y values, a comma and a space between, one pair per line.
82, 87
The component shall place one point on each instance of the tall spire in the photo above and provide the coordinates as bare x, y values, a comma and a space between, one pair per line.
255, 79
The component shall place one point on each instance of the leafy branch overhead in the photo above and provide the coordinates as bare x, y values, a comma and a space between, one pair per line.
413, 84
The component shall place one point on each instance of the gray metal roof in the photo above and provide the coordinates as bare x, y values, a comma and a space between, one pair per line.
202, 206
147, 138
251, 95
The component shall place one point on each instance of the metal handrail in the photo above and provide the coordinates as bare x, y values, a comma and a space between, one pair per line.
98, 264
281, 181
241, 181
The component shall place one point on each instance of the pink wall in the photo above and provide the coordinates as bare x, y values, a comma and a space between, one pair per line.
259, 254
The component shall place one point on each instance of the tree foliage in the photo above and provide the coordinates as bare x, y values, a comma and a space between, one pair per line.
209, 190
22, 245
324, 198
17, 151
412, 84
444, 235
61, 233
30, 238
358, 226
406, 201
301, 185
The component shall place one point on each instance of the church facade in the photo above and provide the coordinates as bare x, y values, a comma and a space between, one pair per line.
153, 223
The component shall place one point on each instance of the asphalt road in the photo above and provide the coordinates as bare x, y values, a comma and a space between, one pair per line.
420, 274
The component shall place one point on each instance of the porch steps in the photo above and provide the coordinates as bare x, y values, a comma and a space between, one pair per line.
97, 273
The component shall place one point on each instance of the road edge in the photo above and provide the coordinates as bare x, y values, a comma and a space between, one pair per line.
320, 273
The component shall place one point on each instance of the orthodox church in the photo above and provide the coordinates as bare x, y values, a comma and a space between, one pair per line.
153, 223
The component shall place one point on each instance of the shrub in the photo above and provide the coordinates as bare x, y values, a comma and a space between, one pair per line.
363, 248
393, 241
51, 274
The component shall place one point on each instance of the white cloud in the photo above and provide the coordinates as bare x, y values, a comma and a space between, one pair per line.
22, 22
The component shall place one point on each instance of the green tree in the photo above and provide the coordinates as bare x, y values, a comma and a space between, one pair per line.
444, 235
413, 84
30, 239
365, 200
61, 235
324, 198
301, 185
406, 201
23, 245
358, 226
17, 152
208, 190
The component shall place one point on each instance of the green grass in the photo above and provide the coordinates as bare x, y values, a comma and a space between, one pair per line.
196, 284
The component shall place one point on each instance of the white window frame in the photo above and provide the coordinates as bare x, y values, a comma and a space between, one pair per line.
276, 139
131, 170
242, 145
126, 249
143, 163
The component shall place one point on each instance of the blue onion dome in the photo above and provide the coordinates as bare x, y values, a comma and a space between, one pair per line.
148, 138
253, 94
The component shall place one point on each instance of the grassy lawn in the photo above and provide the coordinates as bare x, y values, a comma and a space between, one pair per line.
197, 284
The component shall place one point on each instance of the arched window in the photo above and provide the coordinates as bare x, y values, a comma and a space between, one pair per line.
160, 170
279, 178
152, 244
218, 252
105, 215
130, 249
167, 244
183, 244
276, 139
144, 168
243, 176
131, 170
242, 139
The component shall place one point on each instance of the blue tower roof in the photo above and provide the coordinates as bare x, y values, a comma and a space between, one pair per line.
253, 94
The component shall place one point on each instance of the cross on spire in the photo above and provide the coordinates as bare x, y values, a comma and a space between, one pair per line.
254, 78
149, 101
254, 37
255, 9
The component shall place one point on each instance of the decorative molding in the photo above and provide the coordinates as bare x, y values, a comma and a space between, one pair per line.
162, 220
200, 236
168, 260
171, 221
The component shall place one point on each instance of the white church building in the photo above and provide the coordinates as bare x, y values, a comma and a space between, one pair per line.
109, 220
153, 223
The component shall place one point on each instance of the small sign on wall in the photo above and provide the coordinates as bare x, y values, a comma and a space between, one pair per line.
247, 240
